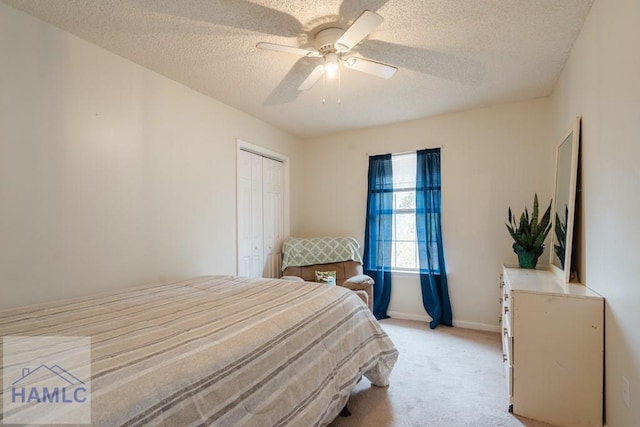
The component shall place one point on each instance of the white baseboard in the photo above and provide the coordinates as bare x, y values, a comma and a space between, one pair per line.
457, 323
408, 316
476, 326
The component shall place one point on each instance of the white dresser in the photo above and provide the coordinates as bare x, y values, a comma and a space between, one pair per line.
553, 346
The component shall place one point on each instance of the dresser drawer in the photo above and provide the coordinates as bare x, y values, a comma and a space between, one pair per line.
506, 309
507, 354
507, 346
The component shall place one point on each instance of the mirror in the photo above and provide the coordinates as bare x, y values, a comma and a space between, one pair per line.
564, 202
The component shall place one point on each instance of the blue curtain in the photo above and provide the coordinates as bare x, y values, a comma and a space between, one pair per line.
433, 275
378, 229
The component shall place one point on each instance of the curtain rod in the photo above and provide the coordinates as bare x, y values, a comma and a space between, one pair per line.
400, 153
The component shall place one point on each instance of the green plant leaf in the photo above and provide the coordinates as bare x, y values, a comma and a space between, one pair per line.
534, 216
531, 231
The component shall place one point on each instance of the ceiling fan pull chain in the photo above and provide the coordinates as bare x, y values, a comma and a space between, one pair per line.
339, 100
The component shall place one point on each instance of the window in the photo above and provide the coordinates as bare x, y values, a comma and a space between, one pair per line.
403, 230
404, 245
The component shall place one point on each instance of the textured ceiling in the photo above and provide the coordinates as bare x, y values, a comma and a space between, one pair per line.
452, 55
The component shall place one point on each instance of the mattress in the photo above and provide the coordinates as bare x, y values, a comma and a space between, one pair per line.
218, 350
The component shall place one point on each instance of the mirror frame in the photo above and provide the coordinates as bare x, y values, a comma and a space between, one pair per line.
574, 134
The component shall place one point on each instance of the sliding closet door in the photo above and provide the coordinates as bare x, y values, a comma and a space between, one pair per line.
260, 215
273, 223
250, 241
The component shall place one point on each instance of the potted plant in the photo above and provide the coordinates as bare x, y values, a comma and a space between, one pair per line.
529, 234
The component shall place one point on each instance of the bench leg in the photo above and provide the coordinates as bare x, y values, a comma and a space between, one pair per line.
345, 411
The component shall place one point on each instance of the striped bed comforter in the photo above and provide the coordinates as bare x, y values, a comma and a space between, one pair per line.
218, 350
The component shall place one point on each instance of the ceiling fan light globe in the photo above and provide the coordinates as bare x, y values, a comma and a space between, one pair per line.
331, 59
331, 64
331, 67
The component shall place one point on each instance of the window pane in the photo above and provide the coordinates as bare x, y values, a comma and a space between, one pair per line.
387, 220
404, 170
405, 227
404, 200
394, 260
405, 255
433, 247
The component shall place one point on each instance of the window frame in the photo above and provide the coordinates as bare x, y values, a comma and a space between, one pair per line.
399, 211
395, 239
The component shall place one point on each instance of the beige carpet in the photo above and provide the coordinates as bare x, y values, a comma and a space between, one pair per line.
443, 377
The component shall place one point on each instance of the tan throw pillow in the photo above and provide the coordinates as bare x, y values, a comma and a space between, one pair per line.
328, 277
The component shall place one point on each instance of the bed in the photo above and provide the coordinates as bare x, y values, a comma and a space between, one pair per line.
218, 350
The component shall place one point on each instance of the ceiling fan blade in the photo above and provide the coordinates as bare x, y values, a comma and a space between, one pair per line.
287, 49
370, 67
312, 78
361, 27
350, 9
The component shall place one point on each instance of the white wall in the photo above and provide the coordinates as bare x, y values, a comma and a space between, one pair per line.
492, 158
601, 83
110, 175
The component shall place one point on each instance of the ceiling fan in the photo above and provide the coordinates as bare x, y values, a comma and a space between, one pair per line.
333, 45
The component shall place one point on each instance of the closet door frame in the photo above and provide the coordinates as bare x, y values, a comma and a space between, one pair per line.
264, 152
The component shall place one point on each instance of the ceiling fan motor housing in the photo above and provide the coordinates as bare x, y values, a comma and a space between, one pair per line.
325, 40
